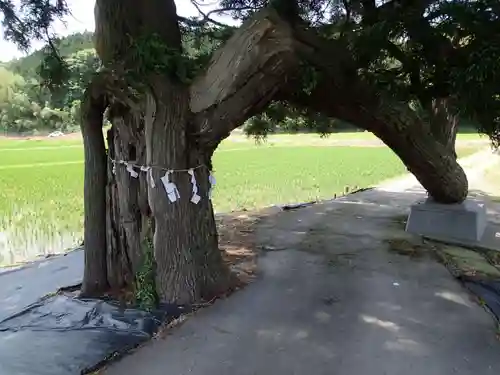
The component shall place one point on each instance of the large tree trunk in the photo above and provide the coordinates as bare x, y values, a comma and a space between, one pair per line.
189, 263
174, 127
137, 213
95, 274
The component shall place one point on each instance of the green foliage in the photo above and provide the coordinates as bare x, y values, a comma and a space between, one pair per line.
283, 118
53, 71
28, 66
22, 113
150, 55
479, 85
29, 20
49, 100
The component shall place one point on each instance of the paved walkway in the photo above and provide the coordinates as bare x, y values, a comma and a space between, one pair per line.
332, 299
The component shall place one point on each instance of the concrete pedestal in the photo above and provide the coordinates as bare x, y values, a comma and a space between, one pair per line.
462, 223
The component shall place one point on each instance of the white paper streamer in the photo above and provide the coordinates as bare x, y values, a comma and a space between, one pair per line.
195, 198
170, 187
130, 169
149, 175
211, 180
151, 180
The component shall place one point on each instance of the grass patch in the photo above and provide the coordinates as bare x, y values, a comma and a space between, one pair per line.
297, 174
462, 261
41, 195
404, 247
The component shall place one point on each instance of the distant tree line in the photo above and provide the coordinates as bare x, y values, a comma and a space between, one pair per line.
28, 106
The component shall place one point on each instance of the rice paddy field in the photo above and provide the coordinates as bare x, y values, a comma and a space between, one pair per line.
41, 181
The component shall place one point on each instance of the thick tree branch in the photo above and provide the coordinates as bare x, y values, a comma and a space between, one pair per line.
257, 66
341, 94
233, 88
243, 77
257, 63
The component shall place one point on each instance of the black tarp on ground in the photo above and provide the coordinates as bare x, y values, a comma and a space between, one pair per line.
61, 335
488, 291
21, 287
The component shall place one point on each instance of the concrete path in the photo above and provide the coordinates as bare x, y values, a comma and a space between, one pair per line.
332, 299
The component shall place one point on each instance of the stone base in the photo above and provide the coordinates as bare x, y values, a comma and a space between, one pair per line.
462, 223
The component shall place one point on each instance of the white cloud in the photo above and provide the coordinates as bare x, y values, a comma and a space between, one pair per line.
82, 19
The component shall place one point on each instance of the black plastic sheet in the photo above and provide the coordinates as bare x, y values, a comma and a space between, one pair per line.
488, 291
21, 287
64, 335
59, 334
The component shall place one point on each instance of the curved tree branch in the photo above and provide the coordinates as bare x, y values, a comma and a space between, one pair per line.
243, 77
259, 64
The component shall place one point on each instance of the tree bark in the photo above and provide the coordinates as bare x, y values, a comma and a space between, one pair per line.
342, 94
444, 121
180, 126
244, 76
95, 273
120, 273
432, 163
185, 238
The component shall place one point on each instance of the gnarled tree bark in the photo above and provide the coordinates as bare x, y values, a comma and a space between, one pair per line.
176, 126
444, 121
181, 126
95, 273
340, 93
434, 165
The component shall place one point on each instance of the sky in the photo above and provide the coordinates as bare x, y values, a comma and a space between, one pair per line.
82, 19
